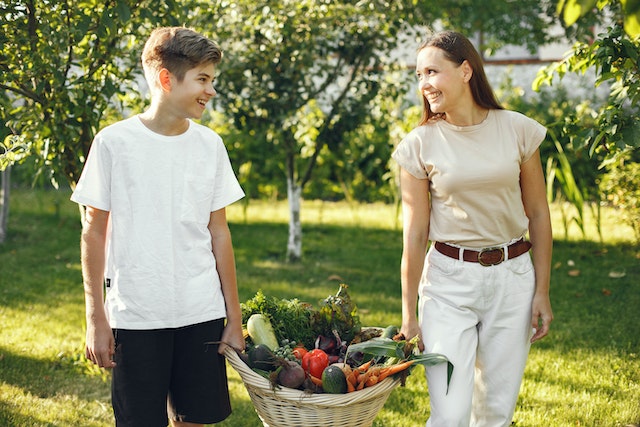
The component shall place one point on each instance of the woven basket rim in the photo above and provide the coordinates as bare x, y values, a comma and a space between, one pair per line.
258, 383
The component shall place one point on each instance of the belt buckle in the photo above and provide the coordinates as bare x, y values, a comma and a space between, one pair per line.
486, 250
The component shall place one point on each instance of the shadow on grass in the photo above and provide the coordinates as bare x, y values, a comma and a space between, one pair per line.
46, 378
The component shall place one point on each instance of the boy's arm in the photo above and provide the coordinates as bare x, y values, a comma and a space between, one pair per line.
100, 343
226, 266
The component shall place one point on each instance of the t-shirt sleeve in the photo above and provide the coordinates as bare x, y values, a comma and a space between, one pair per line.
533, 133
93, 187
407, 155
227, 188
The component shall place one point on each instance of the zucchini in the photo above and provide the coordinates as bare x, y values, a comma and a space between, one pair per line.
261, 332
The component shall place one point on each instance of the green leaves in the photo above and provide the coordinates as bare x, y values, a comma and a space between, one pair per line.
613, 56
394, 351
631, 9
379, 347
573, 10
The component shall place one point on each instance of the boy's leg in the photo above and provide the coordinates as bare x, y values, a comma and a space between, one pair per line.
141, 377
504, 336
198, 391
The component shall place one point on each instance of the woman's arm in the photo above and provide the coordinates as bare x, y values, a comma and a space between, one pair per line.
415, 213
537, 210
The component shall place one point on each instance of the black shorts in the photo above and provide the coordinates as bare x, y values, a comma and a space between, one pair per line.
167, 374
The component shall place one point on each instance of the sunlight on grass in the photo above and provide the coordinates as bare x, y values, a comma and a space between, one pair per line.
23, 408
373, 215
43, 329
389, 217
586, 373
570, 387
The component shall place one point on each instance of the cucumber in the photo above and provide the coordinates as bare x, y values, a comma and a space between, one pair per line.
261, 332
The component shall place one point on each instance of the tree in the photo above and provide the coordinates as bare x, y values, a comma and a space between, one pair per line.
610, 132
614, 56
64, 66
299, 75
302, 75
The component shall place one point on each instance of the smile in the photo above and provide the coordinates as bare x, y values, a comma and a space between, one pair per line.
432, 96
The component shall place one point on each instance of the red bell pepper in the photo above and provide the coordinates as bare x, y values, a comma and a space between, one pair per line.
314, 362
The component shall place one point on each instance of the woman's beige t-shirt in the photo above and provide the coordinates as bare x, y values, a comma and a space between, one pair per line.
474, 174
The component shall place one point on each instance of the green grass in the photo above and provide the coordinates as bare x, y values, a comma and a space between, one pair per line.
587, 373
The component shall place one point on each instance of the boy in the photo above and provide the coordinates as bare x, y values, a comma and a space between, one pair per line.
155, 187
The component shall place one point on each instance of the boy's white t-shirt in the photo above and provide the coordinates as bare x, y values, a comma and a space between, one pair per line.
160, 191
474, 176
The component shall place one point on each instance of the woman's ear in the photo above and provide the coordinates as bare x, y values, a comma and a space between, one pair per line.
164, 78
467, 71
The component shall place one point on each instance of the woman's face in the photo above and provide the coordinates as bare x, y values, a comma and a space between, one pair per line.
441, 82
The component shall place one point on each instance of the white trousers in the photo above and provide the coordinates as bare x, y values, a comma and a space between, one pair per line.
480, 318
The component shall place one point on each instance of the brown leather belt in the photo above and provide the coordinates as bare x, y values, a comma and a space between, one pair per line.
486, 256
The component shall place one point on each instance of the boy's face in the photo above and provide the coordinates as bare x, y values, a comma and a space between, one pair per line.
190, 96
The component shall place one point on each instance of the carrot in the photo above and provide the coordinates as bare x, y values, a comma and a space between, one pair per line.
363, 378
394, 369
352, 381
347, 370
365, 365
317, 381
372, 380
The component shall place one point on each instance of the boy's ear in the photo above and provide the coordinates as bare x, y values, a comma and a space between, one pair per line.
164, 77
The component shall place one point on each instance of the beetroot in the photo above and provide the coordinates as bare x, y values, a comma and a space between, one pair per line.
291, 374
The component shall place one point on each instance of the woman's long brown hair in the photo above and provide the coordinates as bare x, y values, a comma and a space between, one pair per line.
457, 48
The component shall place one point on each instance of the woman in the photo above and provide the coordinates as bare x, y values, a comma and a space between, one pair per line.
472, 184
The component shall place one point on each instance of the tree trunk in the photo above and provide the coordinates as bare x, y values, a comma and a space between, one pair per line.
5, 189
294, 245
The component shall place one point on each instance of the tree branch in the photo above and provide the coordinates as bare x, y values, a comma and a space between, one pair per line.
24, 92
355, 71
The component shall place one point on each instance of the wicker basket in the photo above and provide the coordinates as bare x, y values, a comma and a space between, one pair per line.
286, 407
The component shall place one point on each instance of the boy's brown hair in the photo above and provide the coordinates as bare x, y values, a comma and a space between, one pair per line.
178, 49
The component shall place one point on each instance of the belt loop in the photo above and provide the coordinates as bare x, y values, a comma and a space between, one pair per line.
505, 249
460, 254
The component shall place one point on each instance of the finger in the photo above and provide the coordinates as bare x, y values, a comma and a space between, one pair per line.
540, 332
535, 320
221, 348
89, 355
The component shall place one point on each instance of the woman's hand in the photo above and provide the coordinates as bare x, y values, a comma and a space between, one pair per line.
541, 316
411, 330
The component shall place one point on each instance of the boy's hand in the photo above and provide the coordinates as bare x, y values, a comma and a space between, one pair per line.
232, 337
100, 346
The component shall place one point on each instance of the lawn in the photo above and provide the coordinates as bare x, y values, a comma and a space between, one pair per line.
586, 373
